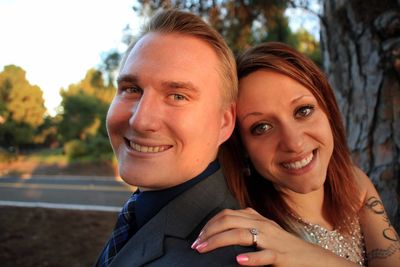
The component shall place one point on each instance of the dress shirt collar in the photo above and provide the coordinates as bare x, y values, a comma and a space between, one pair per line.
148, 203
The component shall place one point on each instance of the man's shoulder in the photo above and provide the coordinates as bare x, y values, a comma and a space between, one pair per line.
211, 192
166, 239
196, 206
178, 253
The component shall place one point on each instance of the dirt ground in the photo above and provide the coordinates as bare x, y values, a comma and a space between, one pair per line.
37, 237
51, 237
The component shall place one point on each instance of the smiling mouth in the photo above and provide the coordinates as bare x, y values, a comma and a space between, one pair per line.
147, 149
300, 163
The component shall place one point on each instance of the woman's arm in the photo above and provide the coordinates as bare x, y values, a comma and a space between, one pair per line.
381, 239
276, 246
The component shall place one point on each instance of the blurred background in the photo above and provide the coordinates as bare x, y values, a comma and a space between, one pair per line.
59, 188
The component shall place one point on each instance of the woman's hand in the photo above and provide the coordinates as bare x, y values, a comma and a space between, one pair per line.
276, 246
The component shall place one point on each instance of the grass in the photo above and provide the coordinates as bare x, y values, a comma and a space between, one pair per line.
53, 161
47, 156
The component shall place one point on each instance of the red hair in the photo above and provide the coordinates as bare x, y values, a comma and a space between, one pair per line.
255, 191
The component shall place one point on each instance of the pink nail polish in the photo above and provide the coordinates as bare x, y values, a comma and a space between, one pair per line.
195, 243
201, 246
242, 258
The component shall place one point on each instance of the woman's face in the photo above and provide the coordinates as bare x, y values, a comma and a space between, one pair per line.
284, 130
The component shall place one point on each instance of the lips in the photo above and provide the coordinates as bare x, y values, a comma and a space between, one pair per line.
299, 164
147, 149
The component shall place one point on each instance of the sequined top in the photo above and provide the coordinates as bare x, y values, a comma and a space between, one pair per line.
349, 247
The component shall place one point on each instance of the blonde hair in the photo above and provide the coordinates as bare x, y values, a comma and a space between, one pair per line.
185, 23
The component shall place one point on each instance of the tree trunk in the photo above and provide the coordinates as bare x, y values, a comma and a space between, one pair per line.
361, 55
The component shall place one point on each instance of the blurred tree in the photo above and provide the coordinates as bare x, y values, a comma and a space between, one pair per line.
242, 23
361, 52
308, 45
47, 132
83, 113
79, 113
21, 108
110, 64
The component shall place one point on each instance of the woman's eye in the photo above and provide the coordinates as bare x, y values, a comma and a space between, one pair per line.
304, 111
260, 128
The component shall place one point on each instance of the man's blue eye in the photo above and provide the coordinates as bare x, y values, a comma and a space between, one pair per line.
178, 97
133, 90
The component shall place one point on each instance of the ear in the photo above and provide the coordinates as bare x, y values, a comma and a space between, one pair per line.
227, 122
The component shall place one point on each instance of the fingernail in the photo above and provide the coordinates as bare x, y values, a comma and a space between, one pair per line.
195, 243
201, 246
242, 258
202, 231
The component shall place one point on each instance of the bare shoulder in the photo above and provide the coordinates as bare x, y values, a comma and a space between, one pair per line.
364, 184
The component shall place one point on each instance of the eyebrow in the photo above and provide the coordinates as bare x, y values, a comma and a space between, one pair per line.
131, 78
127, 78
255, 113
300, 97
293, 101
180, 85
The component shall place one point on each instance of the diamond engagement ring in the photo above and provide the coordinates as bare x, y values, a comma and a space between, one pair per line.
254, 233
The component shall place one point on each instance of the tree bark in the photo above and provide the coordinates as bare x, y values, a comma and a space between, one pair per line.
360, 42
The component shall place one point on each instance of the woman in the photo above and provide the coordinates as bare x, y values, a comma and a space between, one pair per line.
300, 175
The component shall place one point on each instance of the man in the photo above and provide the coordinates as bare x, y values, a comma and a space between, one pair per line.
173, 109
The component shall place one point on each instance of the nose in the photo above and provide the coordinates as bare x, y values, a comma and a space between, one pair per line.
292, 139
146, 114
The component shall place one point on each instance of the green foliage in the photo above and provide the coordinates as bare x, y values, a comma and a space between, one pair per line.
7, 156
75, 149
110, 64
307, 44
99, 145
242, 23
21, 108
47, 132
80, 112
84, 110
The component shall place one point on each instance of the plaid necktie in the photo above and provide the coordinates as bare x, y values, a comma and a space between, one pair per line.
123, 230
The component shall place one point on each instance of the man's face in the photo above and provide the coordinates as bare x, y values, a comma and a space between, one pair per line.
167, 119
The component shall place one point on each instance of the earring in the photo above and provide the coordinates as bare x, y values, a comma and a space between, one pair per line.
246, 169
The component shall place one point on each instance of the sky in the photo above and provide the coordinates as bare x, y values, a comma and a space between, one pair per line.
57, 41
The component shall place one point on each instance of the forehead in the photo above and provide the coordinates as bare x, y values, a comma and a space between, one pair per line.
270, 82
173, 56
268, 90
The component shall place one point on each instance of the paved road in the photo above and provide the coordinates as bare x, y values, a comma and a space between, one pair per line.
78, 192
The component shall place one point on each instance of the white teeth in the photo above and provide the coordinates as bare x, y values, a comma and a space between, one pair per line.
299, 164
146, 149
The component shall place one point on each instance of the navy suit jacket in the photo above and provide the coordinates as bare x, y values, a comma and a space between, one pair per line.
166, 239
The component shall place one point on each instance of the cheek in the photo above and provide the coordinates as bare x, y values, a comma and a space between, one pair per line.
330, 144
259, 155
111, 120
327, 136
117, 114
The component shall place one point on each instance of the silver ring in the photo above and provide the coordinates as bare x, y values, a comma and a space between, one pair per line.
254, 233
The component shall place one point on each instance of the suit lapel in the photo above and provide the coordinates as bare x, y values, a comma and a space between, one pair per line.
193, 206
179, 218
146, 245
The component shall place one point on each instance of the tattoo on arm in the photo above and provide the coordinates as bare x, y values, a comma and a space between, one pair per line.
383, 253
376, 206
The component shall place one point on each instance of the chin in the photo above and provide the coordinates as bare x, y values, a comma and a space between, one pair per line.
309, 189
129, 180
